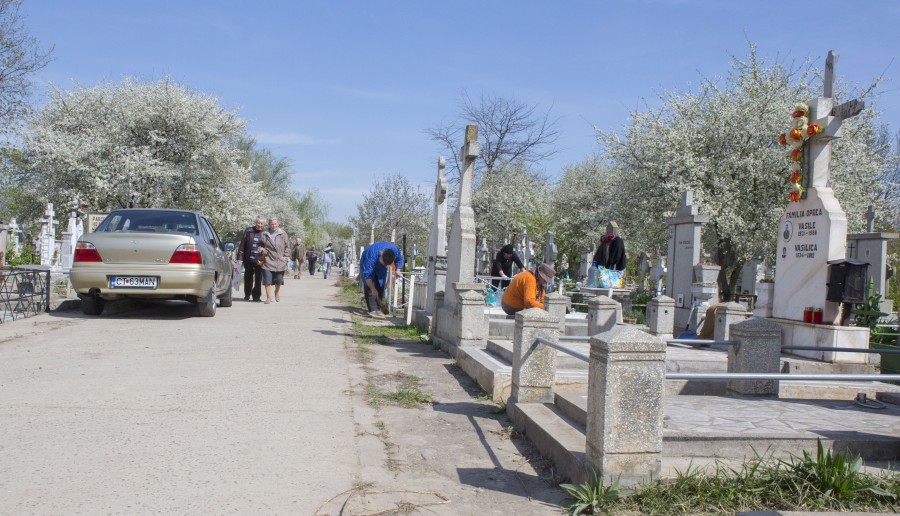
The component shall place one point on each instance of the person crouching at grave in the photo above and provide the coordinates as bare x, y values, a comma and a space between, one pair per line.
502, 266
611, 251
373, 270
527, 289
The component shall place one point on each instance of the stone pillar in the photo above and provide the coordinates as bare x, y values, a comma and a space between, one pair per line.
473, 325
625, 405
758, 351
726, 315
438, 303
661, 317
603, 314
555, 304
533, 365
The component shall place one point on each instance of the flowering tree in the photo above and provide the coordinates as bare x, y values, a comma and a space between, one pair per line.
582, 203
508, 200
720, 142
394, 203
141, 145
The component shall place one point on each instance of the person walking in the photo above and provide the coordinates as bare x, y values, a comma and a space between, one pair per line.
311, 257
247, 254
327, 259
298, 254
373, 271
276, 251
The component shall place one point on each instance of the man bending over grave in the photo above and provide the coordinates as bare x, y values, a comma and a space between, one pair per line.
527, 289
373, 271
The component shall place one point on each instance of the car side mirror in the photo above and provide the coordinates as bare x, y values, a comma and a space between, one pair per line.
229, 247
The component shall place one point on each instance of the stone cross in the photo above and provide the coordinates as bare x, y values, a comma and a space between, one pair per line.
14, 230
484, 261
870, 219
462, 244
372, 235
822, 111
550, 251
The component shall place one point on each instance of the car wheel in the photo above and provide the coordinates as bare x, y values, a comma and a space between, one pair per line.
226, 300
207, 305
92, 305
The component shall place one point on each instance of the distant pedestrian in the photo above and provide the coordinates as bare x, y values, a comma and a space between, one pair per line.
276, 250
373, 270
312, 256
247, 253
298, 254
327, 259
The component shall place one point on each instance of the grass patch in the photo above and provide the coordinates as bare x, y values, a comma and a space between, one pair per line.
351, 293
824, 481
407, 394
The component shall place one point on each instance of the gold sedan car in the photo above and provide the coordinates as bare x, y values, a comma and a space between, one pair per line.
153, 254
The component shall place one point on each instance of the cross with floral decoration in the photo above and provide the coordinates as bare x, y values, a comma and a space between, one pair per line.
810, 144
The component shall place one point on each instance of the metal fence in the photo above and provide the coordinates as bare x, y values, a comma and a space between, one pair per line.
24, 292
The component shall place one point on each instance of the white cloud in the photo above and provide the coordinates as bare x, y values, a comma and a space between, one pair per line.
293, 139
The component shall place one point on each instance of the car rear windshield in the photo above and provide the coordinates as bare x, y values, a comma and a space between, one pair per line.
149, 221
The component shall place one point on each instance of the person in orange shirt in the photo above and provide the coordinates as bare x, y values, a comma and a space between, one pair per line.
527, 289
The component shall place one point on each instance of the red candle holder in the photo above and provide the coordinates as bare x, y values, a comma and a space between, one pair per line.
817, 315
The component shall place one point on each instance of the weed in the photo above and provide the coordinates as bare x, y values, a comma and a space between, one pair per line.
409, 397
833, 475
379, 425
592, 497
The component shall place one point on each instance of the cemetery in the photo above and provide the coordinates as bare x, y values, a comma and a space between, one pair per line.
595, 392
621, 374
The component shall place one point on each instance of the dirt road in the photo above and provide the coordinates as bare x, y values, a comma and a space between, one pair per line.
264, 409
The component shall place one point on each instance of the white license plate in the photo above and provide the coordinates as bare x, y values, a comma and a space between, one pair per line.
133, 282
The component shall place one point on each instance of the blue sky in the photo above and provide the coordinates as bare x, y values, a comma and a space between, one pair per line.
345, 89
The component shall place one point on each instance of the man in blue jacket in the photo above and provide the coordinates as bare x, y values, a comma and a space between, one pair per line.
373, 271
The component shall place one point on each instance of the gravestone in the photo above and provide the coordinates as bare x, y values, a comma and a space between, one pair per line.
550, 250
871, 247
483, 264
47, 238
657, 273
813, 230
684, 254
460, 281
437, 241
4, 234
16, 233
73, 232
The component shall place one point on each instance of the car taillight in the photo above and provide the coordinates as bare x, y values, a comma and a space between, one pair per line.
86, 252
187, 253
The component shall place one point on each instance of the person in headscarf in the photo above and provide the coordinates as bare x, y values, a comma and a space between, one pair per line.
527, 289
502, 266
611, 251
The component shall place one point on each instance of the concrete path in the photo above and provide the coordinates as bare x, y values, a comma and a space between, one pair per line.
156, 410
262, 409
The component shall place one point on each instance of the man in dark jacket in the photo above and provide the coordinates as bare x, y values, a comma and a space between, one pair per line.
247, 253
502, 265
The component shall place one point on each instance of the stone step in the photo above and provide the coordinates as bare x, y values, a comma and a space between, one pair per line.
561, 437
494, 373
505, 327
504, 349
